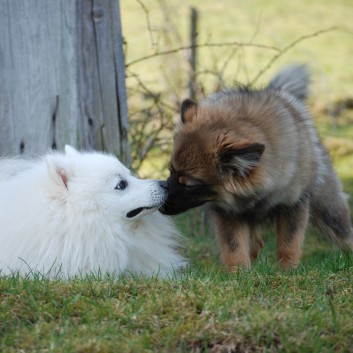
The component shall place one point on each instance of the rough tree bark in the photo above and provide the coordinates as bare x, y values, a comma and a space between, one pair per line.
62, 77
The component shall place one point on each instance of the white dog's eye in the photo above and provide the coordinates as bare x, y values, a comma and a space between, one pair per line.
121, 185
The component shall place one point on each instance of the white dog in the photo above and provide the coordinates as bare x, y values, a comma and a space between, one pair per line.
80, 213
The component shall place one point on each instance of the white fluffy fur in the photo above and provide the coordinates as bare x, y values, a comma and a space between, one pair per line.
62, 216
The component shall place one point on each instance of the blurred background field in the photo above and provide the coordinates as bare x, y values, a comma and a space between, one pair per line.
272, 34
155, 25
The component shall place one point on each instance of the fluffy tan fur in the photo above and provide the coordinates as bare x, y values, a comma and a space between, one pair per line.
255, 157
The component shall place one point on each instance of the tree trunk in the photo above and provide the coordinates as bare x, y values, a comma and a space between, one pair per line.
62, 77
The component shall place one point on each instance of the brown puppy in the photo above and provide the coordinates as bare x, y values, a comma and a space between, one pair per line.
255, 156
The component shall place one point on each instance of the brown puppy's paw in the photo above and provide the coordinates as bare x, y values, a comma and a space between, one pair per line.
288, 262
234, 262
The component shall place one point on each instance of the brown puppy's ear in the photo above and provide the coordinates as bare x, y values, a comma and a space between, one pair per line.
240, 161
188, 111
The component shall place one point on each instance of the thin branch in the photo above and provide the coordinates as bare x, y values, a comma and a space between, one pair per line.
287, 48
149, 27
227, 60
148, 91
176, 50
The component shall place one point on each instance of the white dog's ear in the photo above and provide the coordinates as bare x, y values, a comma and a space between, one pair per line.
70, 151
58, 170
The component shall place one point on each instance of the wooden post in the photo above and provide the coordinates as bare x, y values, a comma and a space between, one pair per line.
62, 77
192, 60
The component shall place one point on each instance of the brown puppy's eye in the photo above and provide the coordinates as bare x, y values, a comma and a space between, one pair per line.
183, 180
189, 182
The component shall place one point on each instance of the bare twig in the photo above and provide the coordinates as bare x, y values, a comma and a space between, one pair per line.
149, 92
285, 49
205, 45
149, 27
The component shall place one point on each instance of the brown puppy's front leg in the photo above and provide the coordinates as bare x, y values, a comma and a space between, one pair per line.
234, 240
257, 243
291, 226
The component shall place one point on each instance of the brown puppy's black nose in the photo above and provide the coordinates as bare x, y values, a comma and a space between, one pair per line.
164, 185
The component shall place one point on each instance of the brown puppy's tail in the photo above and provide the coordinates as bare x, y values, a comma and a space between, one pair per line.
333, 220
293, 79
330, 210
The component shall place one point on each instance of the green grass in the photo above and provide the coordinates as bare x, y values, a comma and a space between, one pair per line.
201, 310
